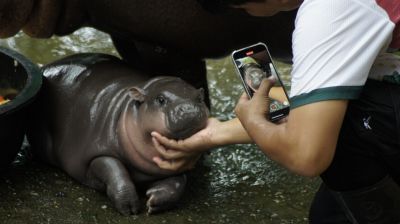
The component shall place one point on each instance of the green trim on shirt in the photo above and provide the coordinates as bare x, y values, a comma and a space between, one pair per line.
328, 93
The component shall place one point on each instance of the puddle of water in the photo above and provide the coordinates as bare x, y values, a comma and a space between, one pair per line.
233, 184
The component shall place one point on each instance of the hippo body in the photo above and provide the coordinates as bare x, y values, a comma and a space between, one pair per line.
161, 36
183, 27
157, 36
186, 29
95, 118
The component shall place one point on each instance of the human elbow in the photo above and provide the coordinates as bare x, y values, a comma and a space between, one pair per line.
308, 171
310, 165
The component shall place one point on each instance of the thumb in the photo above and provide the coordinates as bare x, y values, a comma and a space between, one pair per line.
243, 98
263, 90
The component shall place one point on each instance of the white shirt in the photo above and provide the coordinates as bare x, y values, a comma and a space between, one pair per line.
335, 44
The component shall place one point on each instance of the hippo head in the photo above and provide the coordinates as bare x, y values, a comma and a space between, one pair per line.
171, 106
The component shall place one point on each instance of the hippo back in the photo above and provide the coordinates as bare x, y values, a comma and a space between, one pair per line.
78, 110
189, 29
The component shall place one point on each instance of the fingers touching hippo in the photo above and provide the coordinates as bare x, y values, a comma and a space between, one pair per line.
40, 18
110, 149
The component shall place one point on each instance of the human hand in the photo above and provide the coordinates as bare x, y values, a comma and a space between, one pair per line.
174, 160
258, 106
180, 155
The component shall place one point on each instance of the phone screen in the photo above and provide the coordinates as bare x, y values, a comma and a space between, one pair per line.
253, 64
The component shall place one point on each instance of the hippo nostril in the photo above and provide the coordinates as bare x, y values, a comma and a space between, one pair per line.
186, 109
185, 113
185, 119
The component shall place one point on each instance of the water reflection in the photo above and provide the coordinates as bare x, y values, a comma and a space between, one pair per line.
239, 177
43, 51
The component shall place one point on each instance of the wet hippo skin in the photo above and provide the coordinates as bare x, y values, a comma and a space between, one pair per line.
159, 36
181, 26
94, 119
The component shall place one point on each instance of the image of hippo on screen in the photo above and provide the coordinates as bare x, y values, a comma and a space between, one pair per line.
93, 120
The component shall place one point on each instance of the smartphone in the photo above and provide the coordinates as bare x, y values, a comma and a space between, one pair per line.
254, 63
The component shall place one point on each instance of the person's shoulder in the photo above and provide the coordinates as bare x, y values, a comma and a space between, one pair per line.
339, 5
341, 10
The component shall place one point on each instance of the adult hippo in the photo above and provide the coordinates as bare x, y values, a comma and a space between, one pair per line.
181, 26
159, 36
95, 115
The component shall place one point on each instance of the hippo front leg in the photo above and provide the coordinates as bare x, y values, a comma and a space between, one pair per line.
164, 194
109, 174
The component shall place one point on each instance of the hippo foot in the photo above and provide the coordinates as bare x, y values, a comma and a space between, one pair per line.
159, 200
108, 173
164, 194
125, 199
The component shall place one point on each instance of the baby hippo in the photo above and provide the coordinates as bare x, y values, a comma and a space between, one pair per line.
94, 119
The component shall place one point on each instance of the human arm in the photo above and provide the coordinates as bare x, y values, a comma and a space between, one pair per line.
215, 134
332, 59
306, 143
331, 64
178, 154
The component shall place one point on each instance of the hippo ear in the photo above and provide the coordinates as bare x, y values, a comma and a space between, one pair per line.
201, 93
137, 94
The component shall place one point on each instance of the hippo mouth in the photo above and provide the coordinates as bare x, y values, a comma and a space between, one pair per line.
185, 133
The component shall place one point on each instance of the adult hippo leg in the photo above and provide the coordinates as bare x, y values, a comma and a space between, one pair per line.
72, 17
42, 21
13, 16
165, 193
109, 174
159, 60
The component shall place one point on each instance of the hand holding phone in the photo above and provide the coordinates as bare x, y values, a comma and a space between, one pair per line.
253, 64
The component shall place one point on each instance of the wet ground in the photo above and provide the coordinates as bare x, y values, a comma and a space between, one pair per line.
234, 184
36, 193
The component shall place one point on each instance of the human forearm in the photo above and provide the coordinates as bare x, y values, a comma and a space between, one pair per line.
274, 140
216, 134
306, 143
230, 132
178, 155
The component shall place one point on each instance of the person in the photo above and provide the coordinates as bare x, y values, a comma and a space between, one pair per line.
344, 123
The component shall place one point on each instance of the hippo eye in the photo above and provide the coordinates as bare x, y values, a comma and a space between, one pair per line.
161, 100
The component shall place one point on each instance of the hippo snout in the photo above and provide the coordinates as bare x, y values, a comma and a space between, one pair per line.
188, 111
185, 119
